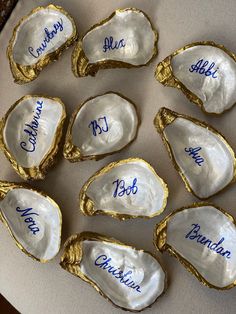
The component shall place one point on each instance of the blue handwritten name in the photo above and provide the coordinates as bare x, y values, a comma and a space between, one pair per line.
109, 44
193, 152
121, 190
103, 262
195, 235
32, 130
49, 35
98, 129
201, 68
29, 220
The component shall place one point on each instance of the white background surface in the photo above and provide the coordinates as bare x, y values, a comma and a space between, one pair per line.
45, 288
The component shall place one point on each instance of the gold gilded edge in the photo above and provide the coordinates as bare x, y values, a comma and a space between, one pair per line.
166, 116
164, 74
5, 187
26, 73
87, 206
80, 63
34, 173
73, 255
73, 153
160, 242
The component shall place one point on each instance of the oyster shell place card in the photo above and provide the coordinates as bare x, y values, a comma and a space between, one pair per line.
202, 237
125, 39
205, 72
30, 134
33, 220
101, 126
124, 189
201, 155
131, 279
38, 39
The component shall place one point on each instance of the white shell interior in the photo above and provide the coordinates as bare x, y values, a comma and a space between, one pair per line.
214, 225
122, 122
215, 172
144, 270
43, 244
14, 134
31, 33
133, 27
217, 94
149, 199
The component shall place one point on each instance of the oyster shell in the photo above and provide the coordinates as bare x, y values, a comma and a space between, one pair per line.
33, 220
38, 39
104, 263
128, 188
30, 134
205, 72
125, 39
202, 237
102, 125
201, 155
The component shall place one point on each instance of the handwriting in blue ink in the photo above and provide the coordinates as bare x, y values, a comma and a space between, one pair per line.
193, 152
49, 35
102, 261
121, 190
202, 67
32, 130
99, 128
29, 220
110, 44
195, 235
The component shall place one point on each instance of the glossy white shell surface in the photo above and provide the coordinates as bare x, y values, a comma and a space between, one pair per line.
141, 268
131, 26
104, 124
218, 93
43, 238
41, 120
31, 34
218, 270
144, 197
217, 169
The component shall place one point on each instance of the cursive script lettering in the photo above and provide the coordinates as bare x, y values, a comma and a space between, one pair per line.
32, 130
29, 220
109, 44
102, 261
195, 235
193, 152
121, 190
49, 35
201, 68
98, 129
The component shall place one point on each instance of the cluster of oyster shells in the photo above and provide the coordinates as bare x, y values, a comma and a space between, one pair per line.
201, 236
112, 43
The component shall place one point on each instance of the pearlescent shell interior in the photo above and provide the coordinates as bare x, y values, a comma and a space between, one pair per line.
103, 264
217, 94
121, 119
44, 244
52, 112
148, 200
216, 269
31, 33
217, 170
133, 27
